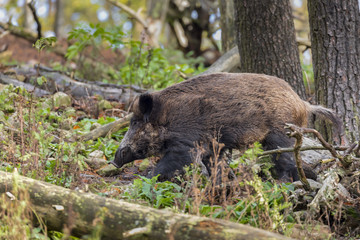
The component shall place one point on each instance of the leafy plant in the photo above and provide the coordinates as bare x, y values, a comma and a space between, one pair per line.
148, 67
33, 151
41, 43
94, 35
308, 77
144, 66
250, 155
157, 194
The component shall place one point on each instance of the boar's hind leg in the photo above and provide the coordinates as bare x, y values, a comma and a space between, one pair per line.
284, 164
171, 162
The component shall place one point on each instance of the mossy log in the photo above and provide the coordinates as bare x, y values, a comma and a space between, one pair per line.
59, 207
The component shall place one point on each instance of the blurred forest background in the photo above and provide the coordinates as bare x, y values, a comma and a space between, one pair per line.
194, 27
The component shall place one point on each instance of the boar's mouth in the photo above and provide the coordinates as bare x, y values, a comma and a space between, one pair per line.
113, 163
123, 155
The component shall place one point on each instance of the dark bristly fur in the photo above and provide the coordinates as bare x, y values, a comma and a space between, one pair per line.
235, 108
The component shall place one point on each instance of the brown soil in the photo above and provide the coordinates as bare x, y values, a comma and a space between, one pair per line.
22, 51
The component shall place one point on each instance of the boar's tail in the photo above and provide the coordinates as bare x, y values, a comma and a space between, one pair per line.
326, 113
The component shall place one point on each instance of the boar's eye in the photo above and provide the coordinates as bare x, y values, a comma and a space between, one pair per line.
134, 122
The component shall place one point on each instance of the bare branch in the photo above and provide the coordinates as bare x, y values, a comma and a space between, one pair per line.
345, 160
308, 148
130, 12
299, 140
36, 18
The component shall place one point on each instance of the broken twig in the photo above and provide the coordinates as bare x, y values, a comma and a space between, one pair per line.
299, 140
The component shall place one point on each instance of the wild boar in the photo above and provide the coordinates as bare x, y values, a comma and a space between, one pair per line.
239, 108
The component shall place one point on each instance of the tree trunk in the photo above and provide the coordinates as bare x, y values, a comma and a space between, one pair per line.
26, 17
266, 40
156, 15
228, 39
59, 21
60, 207
335, 40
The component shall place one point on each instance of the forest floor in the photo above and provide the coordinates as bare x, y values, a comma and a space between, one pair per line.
18, 51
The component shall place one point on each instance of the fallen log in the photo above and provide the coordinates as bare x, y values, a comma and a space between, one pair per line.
226, 63
31, 88
57, 81
56, 206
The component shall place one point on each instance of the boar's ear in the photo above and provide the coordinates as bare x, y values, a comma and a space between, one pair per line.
146, 105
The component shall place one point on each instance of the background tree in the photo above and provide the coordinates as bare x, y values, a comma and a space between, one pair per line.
266, 40
227, 21
26, 17
335, 42
59, 18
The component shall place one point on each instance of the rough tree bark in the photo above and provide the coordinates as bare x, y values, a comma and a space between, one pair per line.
266, 40
59, 207
335, 40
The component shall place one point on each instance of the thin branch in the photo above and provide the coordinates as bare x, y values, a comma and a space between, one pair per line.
130, 12
327, 145
308, 148
298, 142
345, 160
36, 18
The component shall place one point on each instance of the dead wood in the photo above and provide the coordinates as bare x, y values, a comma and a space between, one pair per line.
226, 63
107, 129
325, 192
345, 160
58, 81
31, 88
298, 142
56, 206
308, 148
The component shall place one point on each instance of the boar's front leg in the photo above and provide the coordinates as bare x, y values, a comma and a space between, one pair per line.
173, 160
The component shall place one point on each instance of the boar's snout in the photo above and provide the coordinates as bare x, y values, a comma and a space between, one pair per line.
123, 155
